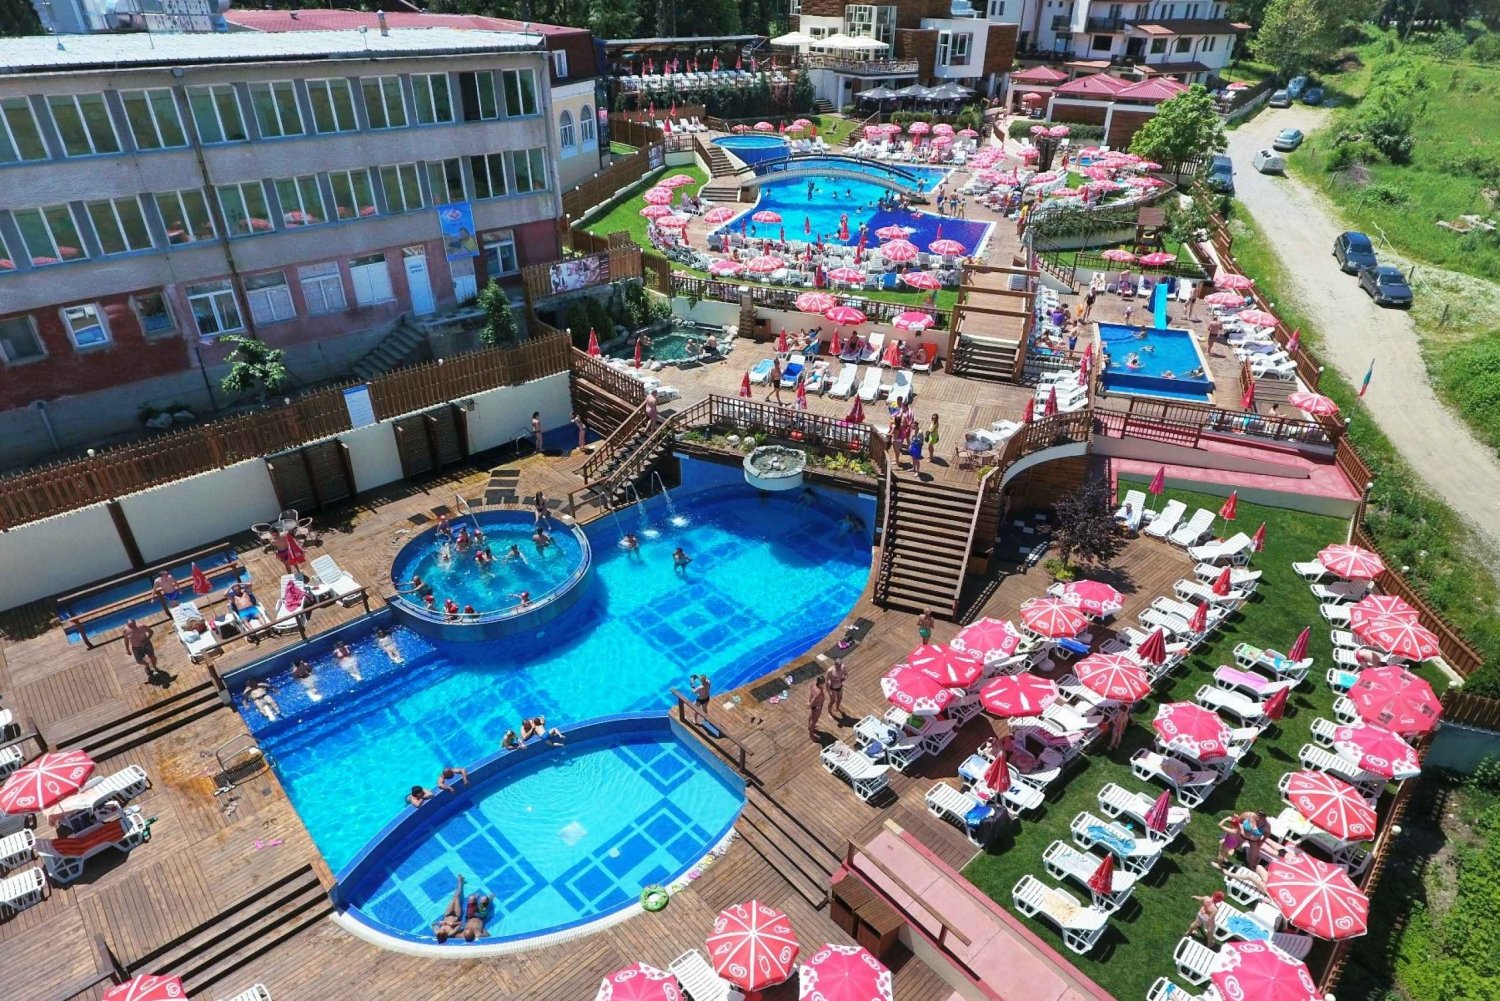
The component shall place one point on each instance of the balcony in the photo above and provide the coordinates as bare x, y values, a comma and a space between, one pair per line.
1061, 22
860, 67
1106, 25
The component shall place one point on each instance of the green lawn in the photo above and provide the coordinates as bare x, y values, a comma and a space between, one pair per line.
1246, 71
1138, 946
620, 148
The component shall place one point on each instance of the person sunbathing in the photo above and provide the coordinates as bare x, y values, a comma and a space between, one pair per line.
476, 912
244, 603
452, 921
537, 727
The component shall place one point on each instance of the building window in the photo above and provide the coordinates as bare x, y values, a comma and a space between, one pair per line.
520, 92
586, 126
19, 342
154, 314
155, 122
434, 102
84, 125
322, 288
301, 201
1208, 44
560, 65
269, 298
476, 93
49, 234
1184, 44
499, 252
216, 113
276, 111
794, 7
489, 175
186, 216
332, 105
384, 103
565, 133
7, 263
372, 280
85, 327
996, 9
120, 225
446, 177
529, 168
353, 194
244, 207
953, 48
1158, 46
1192, 10
403, 191
869, 21
1101, 43
215, 310
20, 139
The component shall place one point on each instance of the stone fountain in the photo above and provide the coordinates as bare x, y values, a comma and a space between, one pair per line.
774, 467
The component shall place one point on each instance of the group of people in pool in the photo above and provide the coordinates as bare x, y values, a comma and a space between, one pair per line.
465, 918
631, 543
453, 544
258, 692
1134, 359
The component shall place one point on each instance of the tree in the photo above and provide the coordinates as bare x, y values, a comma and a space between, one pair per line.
17, 19
499, 321
1297, 35
1186, 127
255, 365
1086, 525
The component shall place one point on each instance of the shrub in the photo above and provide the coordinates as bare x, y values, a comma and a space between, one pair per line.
499, 322
1485, 48
1387, 193
1080, 133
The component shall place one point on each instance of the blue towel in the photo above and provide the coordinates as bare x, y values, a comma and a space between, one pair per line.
1071, 644
977, 816
1111, 839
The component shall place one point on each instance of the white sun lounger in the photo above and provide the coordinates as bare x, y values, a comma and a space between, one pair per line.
1272, 661
1239, 888
66, 868
1190, 785
1242, 707
699, 979
1081, 926
1245, 580
1192, 531
256, 993
933, 740
1334, 613
1341, 681
123, 785
1116, 800
287, 615
1195, 961
954, 806
1257, 686
1345, 711
1165, 522
867, 778
1203, 592
1341, 592
873, 348
1312, 571
16, 849
329, 573
1314, 758
1162, 989
197, 644
901, 389
1135, 502
1235, 549
1063, 862
21, 891
869, 389
10, 760
1135, 854
843, 386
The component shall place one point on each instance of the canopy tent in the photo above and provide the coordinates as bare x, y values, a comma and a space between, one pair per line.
794, 38
876, 94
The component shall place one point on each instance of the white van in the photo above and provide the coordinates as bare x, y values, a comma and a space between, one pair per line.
1269, 161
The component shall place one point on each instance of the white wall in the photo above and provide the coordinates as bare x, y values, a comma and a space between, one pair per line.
502, 415
191, 513
59, 554
372, 453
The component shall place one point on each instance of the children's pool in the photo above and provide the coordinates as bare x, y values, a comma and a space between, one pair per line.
453, 572
1147, 361
753, 149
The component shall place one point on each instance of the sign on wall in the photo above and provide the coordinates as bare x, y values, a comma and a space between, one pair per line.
579, 272
656, 157
456, 223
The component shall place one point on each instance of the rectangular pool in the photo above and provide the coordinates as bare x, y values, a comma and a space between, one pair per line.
1149, 361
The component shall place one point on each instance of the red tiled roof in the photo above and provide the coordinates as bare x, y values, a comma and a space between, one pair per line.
1039, 74
1096, 85
335, 20
1154, 90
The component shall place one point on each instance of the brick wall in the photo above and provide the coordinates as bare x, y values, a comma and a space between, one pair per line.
1000, 49
823, 8
1123, 126
918, 44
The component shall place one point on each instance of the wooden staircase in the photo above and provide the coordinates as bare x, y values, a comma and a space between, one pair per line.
748, 315
924, 555
723, 192
240, 934
984, 358
779, 838
617, 447
134, 729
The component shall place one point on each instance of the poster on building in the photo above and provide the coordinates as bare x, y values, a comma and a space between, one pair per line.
579, 272
456, 223
656, 157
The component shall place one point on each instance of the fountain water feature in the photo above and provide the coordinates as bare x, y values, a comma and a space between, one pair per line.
774, 467
676, 520
647, 532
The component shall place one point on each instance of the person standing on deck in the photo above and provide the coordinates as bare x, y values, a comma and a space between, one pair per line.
536, 429
815, 699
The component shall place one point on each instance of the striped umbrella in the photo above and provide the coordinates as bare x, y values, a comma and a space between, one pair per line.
1380, 606
847, 276
45, 782
1351, 562
1331, 804
1053, 617
988, 638
916, 691
953, 668
892, 232
1313, 403
765, 264
1114, 676
1400, 636
899, 251
815, 302
1229, 279
845, 316
1093, 596
1376, 749
1317, 897
639, 982
1197, 730
718, 215
659, 196
948, 248
844, 973
1018, 695
726, 267
656, 211
1392, 697
753, 946
921, 279
913, 320
1259, 971
766, 216
1256, 318
1224, 299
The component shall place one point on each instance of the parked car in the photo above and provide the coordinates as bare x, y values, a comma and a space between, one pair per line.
1288, 140
1313, 96
1386, 285
1281, 99
1295, 86
1354, 252
1269, 162
1220, 174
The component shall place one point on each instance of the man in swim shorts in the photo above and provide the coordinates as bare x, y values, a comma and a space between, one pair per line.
445, 780
138, 640
167, 587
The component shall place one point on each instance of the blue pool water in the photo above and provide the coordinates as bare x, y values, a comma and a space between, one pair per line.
753, 149
771, 575
495, 587
1160, 351
135, 585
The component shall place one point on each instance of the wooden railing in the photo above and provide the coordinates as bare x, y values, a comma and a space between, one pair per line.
623, 263
826, 435
1471, 710
1211, 420
1353, 465
77, 483
585, 366
606, 449
602, 186
686, 705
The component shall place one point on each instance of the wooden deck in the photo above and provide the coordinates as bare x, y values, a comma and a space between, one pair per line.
208, 850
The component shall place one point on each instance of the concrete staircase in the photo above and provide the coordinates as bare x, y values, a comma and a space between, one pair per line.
394, 349
984, 358
925, 552
719, 164
823, 106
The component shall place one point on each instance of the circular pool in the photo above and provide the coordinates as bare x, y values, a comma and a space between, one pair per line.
754, 148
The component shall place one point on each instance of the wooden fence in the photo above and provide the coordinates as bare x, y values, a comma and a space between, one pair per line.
67, 486
1471, 710
602, 186
623, 262
609, 379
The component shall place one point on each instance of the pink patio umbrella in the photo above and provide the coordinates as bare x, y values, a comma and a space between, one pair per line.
948, 248
1224, 299
147, 987
1400, 636
1160, 813
1154, 649
815, 302
718, 215
742, 127
725, 268
1198, 731
1045, 177
1256, 318
639, 982
847, 276
1119, 256
765, 264
593, 348
892, 232
988, 638
845, 316
1299, 646
1097, 173
1391, 697
1313, 403
658, 196
916, 691
46, 781
1030, 153
1147, 165
1156, 260
921, 279
1318, 897
1053, 617
1050, 407
753, 946
656, 211
1258, 540
856, 414
942, 129
914, 321
1331, 804
1228, 279
1114, 676
1380, 606
766, 216
941, 141
1018, 695
844, 973
678, 180
1258, 971
890, 128
1158, 484
873, 132
899, 251
801, 123
1093, 596
952, 667
997, 775
919, 128
1376, 749
764, 127
967, 134
1059, 131
1351, 562
673, 222
892, 355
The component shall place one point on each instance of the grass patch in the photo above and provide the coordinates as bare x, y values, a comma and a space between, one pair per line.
834, 128
1416, 530
1246, 71
1138, 946
620, 149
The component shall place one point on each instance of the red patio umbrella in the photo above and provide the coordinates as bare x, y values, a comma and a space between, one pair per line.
594, 343
922, 280
1093, 596
1256, 318
201, 583
1299, 645
1227, 279
639, 982
1018, 695
1392, 697
1231, 506
766, 216
1160, 813
1247, 398
1332, 804
1275, 706
1400, 636
1317, 897
1114, 676
1199, 622
837, 347
1380, 606
845, 316
801, 393
948, 248
1154, 260
1351, 562
1029, 413
815, 302
916, 691
1221, 584
147, 987
856, 414
1154, 649
844, 973
1258, 971
781, 342
954, 668
745, 385
1118, 256
44, 782
1313, 403
1198, 731
1103, 880
1258, 540
1050, 407
997, 775
988, 637
291, 551
1158, 484
765, 264
1053, 617
1224, 299
752, 946
913, 320
1376, 749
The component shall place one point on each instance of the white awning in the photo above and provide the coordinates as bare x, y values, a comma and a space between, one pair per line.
793, 38
853, 43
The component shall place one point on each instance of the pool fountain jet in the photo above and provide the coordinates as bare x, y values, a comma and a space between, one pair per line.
676, 520
774, 467
647, 532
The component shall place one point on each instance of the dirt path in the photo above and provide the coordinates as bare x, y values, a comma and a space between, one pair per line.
1301, 228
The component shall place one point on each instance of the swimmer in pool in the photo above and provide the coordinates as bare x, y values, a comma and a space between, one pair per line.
483, 556
524, 597
631, 545
445, 553
1169, 374
260, 698
1148, 349
510, 741
1132, 360
388, 646
1196, 373
414, 586
514, 555
347, 662
541, 540
450, 609
303, 672
1140, 334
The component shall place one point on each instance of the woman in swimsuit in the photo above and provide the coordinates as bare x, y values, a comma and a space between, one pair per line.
1208, 913
347, 662
303, 672
835, 677
924, 625
388, 646
260, 697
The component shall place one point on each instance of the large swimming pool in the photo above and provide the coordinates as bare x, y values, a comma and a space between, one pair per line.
1147, 361
769, 577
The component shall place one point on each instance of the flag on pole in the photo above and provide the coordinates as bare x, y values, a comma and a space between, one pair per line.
1365, 383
